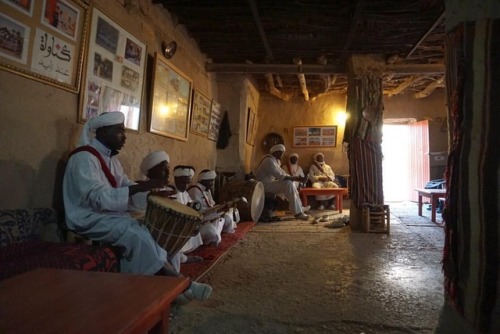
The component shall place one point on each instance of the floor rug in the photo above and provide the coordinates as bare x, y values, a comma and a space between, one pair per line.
212, 254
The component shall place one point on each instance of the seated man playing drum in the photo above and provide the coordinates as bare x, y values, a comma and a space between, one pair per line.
96, 194
201, 192
321, 176
277, 182
156, 166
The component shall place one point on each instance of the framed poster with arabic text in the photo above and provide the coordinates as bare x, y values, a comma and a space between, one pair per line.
170, 101
44, 40
215, 120
315, 136
114, 72
200, 114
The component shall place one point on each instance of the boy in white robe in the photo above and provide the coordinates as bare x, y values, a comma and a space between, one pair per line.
293, 168
201, 192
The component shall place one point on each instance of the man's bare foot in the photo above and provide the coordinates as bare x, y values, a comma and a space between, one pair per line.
194, 259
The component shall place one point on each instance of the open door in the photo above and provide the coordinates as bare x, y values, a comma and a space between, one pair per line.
419, 157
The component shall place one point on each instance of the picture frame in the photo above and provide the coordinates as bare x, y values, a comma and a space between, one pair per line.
250, 136
215, 120
170, 100
315, 136
44, 40
200, 113
114, 72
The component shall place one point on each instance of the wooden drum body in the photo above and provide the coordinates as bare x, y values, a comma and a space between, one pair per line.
171, 223
253, 191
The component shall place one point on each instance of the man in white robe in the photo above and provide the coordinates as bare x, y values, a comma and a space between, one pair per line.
215, 224
277, 182
321, 175
96, 195
293, 168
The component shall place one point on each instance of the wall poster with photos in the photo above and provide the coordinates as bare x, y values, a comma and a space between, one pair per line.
114, 74
170, 101
315, 136
200, 115
215, 120
44, 40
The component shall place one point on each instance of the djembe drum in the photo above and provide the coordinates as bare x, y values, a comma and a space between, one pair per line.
253, 191
171, 223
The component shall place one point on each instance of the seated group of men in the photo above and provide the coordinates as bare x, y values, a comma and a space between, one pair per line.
284, 180
99, 197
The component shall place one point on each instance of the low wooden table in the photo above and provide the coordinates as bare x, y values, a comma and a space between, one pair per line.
434, 195
337, 192
72, 301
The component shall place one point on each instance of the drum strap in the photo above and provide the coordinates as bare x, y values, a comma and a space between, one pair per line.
104, 167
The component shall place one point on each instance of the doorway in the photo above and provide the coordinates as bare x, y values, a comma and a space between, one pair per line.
396, 162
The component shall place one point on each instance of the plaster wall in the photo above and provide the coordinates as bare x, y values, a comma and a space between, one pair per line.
39, 123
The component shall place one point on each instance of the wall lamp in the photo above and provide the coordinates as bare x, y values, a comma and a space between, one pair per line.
169, 49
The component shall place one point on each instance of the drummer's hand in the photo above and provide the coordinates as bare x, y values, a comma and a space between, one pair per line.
223, 208
142, 186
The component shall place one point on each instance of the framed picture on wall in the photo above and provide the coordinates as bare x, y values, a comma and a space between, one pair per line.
200, 116
114, 72
315, 136
44, 40
250, 126
170, 101
215, 119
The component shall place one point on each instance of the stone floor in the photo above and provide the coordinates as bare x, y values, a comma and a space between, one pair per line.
298, 277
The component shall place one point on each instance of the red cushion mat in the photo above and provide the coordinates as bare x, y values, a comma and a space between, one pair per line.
212, 253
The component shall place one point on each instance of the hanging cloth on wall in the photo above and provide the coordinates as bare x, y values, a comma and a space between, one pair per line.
224, 132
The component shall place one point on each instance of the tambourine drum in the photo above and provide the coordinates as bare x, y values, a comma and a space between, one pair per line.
171, 223
253, 191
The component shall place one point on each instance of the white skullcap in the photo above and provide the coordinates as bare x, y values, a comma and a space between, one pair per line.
293, 155
207, 175
278, 147
184, 172
153, 159
104, 119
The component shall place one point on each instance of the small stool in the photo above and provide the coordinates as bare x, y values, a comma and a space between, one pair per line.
376, 218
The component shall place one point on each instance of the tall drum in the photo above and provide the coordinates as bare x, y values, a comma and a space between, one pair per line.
252, 190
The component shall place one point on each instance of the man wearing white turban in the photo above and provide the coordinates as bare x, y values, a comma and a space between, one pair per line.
96, 194
216, 224
293, 168
278, 182
321, 176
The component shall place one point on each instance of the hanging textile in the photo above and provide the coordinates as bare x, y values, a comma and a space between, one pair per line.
224, 132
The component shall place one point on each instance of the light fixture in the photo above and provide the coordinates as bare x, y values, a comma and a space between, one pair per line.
169, 49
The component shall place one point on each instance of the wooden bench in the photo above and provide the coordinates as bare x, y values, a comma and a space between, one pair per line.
434, 195
337, 192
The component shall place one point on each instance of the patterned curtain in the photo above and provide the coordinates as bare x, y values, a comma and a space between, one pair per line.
472, 232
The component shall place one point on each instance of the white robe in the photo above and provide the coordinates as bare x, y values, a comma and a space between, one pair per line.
315, 174
211, 232
98, 211
294, 170
272, 177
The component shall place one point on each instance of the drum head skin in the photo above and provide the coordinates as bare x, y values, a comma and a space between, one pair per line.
173, 205
257, 201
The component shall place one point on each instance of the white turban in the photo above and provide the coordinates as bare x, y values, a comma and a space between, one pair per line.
208, 175
318, 154
293, 155
104, 119
184, 172
153, 159
278, 147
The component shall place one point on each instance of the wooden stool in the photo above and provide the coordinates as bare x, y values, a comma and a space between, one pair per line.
376, 218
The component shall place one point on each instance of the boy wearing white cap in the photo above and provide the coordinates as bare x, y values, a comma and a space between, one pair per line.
278, 182
293, 168
96, 194
201, 192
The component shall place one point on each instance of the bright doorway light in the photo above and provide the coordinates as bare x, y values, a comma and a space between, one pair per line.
396, 162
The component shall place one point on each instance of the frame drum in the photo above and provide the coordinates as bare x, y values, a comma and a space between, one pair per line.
253, 191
